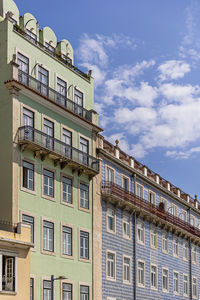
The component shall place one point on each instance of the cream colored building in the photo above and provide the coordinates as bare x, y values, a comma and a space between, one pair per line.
14, 261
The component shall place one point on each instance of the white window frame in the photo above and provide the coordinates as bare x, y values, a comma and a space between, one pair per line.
153, 233
140, 186
142, 230
126, 224
155, 288
194, 254
174, 244
192, 220
185, 249
174, 210
114, 265
139, 283
11, 255
178, 278
193, 296
128, 266
184, 294
164, 234
163, 289
153, 193
108, 215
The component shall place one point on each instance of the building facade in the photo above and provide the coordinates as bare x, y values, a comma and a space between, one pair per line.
150, 232
48, 153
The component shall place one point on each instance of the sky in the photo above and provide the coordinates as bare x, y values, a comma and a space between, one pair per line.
145, 58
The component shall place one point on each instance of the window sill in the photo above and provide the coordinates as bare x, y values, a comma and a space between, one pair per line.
53, 199
28, 191
67, 204
8, 293
48, 253
67, 256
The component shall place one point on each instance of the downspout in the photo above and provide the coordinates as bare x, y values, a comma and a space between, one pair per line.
134, 245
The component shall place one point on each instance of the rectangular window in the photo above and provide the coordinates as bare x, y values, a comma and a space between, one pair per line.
31, 288
140, 232
28, 175
62, 92
110, 219
153, 237
84, 148
152, 198
176, 282
31, 36
67, 240
48, 236
43, 81
185, 250
49, 48
67, 140
67, 291
127, 269
141, 274
183, 215
28, 117
173, 210
47, 290
67, 190
139, 190
194, 254
185, 285
29, 220
154, 277
125, 183
192, 221
175, 246
84, 245
165, 280
23, 71
49, 134
110, 175
78, 99
126, 226
84, 292
165, 242
8, 273
163, 200
110, 265
84, 196
194, 287
48, 188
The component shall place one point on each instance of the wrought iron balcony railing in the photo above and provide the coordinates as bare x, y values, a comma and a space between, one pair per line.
8, 283
114, 190
53, 95
66, 60
56, 149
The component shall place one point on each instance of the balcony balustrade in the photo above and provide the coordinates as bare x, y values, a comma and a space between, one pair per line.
117, 193
53, 95
47, 146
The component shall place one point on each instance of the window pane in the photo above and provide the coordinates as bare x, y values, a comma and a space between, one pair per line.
30, 221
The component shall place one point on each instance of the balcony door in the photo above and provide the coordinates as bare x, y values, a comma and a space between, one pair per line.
49, 134
67, 140
43, 81
28, 123
23, 72
84, 148
62, 92
78, 99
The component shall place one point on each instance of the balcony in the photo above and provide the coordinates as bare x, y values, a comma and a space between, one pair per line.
53, 95
154, 213
66, 60
46, 146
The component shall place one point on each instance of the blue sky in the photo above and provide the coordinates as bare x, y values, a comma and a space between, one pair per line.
145, 57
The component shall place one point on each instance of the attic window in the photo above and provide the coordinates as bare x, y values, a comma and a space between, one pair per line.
49, 48
31, 36
66, 58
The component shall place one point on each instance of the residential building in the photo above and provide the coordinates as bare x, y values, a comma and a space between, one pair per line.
150, 232
48, 157
15, 245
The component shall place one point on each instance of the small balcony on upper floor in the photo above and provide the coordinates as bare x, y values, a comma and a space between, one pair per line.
154, 214
45, 146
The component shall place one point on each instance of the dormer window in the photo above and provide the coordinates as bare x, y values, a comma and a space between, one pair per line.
31, 36
67, 59
50, 48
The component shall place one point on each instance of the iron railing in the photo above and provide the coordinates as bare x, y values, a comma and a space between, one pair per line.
32, 135
110, 188
8, 283
66, 60
53, 95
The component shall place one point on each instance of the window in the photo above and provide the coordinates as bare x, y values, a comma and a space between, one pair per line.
62, 92
192, 221
141, 276
31, 36
175, 282
185, 285
67, 140
126, 226
48, 188
127, 269
31, 288
185, 250
175, 246
84, 196
48, 236
84, 148
154, 277
125, 183
67, 291
84, 245
7, 273
43, 81
165, 242
28, 175
67, 240
163, 200
139, 190
47, 290
78, 99
29, 220
183, 215
153, 237
49, 134
152, 198
110, 175
174, 210
110, 219
84, 292
110, 265
49, 48
194, 254
28, 120
194, 287
165, 280
23, 73
67, 190
140, 232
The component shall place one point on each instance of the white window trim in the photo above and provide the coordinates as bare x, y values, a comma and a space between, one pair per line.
107, 277
150, 191
139, 284
186, 259
152, 227
164, 290
152, 287
139, 184
186, 295
114, 210
173, 239
124, 235
130, 266
174, 292
194, 277
165, 251
138, 241
193, 261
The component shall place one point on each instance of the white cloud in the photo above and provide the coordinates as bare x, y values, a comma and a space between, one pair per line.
179, 93
183, 154
173, 69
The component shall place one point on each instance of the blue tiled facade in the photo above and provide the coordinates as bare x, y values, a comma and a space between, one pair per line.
115, 242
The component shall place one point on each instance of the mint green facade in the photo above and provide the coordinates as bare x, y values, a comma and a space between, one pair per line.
18, 200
